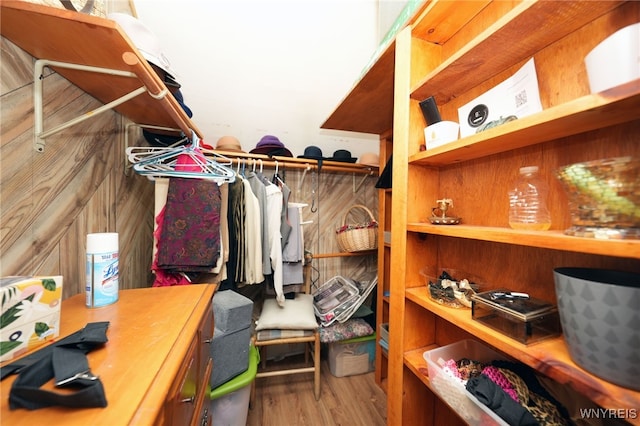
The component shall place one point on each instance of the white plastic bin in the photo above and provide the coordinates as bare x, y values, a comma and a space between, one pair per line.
453, 390
229, 402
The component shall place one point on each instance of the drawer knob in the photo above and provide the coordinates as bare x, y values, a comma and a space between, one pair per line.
208, 341
189, 400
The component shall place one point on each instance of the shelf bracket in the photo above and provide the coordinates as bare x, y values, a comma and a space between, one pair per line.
357, 187
39, 133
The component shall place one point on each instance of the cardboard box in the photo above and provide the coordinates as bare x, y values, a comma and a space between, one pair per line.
30, 315
352, 356
516, 97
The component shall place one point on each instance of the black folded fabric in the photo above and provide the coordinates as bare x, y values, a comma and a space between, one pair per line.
494, 397
66, 362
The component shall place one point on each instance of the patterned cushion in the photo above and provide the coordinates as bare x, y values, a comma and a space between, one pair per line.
354, 327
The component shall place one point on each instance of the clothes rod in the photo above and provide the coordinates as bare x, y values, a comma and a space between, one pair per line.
296, 163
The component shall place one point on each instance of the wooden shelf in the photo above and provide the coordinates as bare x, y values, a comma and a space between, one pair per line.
618, 105
550, 357
368, 107
345, 254
534, 24
555, 240
76, 38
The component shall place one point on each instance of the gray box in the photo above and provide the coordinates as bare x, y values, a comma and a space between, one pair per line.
231, 311
230, 354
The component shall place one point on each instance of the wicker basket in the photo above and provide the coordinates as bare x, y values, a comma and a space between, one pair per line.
358, 236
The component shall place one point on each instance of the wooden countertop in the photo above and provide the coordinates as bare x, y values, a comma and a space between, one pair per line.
149, 334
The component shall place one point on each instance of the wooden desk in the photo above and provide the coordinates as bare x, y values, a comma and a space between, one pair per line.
157, 356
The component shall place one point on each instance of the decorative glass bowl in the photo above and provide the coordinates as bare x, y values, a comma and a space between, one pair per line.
604, 197
450, 287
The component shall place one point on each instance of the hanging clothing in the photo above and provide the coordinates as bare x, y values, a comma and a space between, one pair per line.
221, 268
259, 190
164, 278
285, 227
252, 238
190, 236
293, 252
274, 214
235, 266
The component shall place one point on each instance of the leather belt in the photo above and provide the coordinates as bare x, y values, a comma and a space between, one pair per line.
66, 362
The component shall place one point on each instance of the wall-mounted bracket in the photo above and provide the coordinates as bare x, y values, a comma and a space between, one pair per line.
357, 187
39, 134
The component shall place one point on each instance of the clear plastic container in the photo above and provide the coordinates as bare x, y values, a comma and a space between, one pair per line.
528, 202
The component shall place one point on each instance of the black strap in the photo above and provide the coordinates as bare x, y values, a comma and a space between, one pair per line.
66, 362
86, 339
26, 392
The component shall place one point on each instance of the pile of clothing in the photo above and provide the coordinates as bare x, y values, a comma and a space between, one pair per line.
511, 390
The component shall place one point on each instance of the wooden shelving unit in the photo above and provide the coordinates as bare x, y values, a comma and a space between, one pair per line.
368, 108
455, 51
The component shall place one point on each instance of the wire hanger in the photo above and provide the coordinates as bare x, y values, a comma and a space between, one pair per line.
185, 161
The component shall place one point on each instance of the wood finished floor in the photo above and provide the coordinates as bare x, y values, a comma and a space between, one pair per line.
344, 401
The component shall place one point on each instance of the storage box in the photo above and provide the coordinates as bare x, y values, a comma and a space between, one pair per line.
451, 389
30, 313
229, 402
352, 356
231, 311
526, 320
230, 354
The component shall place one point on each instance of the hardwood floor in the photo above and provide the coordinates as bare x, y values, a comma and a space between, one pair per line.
344, 401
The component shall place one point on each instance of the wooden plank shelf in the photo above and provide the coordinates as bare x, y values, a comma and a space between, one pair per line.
542, 22
542, 239
550, 357
346, 254
75, 38
618, 105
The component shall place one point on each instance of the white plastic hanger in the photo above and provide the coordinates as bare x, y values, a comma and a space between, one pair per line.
186, 161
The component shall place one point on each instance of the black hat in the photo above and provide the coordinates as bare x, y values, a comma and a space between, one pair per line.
314, 153
343, 156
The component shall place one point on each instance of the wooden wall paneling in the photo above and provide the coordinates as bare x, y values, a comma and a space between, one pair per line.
51, 200
334, 197
134, 204
16, 70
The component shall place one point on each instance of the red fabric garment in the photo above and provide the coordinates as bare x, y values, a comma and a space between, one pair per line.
162, 277
190, 235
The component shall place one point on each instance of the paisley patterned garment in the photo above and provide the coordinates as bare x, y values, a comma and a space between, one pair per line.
190, 237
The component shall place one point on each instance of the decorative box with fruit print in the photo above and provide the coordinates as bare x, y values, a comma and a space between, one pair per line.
30, 314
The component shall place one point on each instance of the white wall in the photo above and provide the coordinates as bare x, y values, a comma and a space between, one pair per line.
251, 67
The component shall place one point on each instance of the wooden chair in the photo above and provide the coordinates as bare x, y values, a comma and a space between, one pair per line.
298, 325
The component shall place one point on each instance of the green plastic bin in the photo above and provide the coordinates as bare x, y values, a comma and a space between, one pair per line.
229, 402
